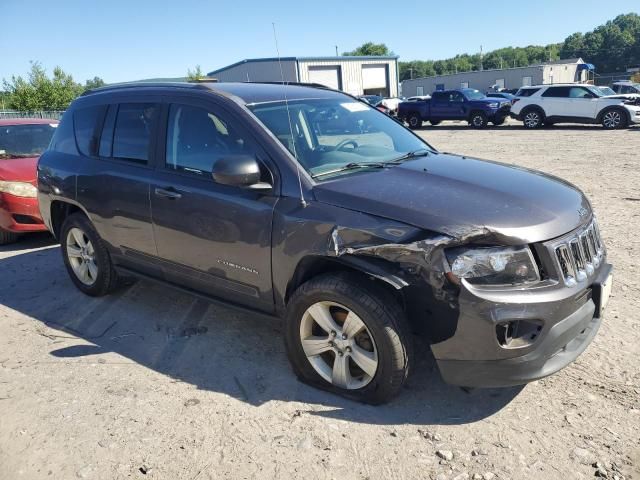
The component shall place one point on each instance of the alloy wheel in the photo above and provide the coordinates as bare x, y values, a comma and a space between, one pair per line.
338, 345
478, 121
532, 119
612, 119
82, 256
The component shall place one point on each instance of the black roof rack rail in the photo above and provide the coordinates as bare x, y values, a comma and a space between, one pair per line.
125, 85
298, 84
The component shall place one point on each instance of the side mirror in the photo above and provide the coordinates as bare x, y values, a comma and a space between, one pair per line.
239, 171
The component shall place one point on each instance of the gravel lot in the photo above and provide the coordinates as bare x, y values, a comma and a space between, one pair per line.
151, 383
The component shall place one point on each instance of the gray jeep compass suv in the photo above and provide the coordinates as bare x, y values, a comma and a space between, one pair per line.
307, 204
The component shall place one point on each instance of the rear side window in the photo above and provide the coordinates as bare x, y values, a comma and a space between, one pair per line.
135, 123
526, 92
440, 96
87, 123
557, 92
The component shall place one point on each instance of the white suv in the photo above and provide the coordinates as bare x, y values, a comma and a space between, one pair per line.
572, 103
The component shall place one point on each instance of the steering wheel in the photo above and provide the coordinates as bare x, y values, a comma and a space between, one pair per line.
344, 143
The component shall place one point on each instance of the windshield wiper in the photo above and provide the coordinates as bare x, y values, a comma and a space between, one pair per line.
423, 152
354, 166
396, 161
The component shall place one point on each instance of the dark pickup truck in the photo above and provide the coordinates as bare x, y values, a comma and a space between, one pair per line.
464, 104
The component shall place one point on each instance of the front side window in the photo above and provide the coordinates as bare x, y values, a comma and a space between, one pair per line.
456, 97
473, 94
23, 141
326, 135
196, 138
132, 134
579, 92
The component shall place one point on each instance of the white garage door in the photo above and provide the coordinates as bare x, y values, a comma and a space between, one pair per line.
327, 76
374, 76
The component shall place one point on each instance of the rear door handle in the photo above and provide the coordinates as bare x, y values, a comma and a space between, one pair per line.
170, 193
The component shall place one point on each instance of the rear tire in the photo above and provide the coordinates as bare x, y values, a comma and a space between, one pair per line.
7, 237
414, 121
478, 120
348, 323
86, 257
614, 118
532, 118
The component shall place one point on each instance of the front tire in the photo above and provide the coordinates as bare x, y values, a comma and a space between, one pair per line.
347, 335
86, 257
7, 237
532, 118
478, 120
414, 121
614, 118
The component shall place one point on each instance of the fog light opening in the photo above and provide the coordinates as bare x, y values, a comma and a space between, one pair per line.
518, 333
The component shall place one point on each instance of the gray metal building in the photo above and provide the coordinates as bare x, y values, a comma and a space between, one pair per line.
561, 71
354, 75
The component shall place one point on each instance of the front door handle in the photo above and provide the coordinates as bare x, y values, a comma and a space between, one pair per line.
170, 193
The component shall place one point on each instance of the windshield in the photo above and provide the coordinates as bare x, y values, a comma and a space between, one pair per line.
606, 91
330, 134
20, 141
473, 94
596, 91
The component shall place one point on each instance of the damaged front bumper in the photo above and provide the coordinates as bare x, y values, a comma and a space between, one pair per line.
477, 356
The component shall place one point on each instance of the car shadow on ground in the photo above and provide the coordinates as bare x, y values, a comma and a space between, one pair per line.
213, 347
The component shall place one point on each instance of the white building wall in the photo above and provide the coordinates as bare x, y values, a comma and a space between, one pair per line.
351, 73
484, 80
260, 71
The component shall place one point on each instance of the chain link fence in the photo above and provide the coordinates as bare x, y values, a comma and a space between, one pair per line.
53, 114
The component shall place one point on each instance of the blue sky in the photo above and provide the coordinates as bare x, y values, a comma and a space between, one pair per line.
121, 40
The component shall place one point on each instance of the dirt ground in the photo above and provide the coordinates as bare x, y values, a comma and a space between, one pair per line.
151, 383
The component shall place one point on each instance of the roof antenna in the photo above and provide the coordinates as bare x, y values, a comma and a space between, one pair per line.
286, 103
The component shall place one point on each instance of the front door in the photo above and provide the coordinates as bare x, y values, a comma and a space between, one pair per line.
211, 237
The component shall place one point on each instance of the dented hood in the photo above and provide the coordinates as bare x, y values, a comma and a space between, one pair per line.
458, 195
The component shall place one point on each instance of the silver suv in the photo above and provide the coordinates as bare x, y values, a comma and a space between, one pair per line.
572, 103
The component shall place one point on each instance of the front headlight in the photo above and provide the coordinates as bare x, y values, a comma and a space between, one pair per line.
494, 105
493, 265
19, 189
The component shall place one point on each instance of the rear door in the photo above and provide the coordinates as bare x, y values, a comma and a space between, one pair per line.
439, 104
211, 237
450, 106
115, 185
555, 102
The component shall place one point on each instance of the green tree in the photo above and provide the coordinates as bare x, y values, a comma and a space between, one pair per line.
196, 74
370, 49
41, 92
95, 82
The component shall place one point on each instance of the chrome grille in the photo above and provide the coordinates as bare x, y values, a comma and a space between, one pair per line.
579, 254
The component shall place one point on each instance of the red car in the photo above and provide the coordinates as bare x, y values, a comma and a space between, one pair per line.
21, 143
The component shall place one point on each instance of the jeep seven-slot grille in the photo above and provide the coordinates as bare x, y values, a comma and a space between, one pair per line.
579, 255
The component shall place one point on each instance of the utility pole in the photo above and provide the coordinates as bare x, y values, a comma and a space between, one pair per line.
481, 67
337, 50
